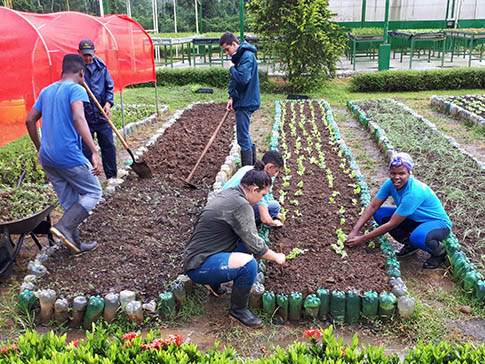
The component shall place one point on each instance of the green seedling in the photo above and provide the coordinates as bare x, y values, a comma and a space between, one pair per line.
354, 201
372, 244
300, 184
294, 202
295, 252
335, 193
342, 221
298, 193
297, 213
331, 200
341, 211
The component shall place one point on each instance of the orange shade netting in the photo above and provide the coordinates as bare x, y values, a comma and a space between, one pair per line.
32, 47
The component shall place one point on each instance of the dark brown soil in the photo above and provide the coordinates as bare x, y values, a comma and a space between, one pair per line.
315, 230
143, 227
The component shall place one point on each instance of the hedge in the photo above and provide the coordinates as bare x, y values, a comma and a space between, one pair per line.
132, 347
386, 81
217, 77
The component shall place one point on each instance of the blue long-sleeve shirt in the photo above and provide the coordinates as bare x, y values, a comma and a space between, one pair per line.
99, 80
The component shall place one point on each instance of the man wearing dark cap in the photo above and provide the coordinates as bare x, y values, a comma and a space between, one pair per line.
98, 79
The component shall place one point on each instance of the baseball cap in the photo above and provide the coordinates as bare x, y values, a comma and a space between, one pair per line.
86, 47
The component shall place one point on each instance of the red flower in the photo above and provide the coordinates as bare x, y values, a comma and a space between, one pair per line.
312, 334
129, 336
155, 344
75, 343
343, 352
173, 339
6, 349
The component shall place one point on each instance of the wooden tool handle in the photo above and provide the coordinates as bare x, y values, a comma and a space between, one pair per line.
106, 116
208, 145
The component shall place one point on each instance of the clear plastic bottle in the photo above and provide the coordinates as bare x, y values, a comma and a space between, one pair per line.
47, 298
406, 305
255, 295
134, 311
111, 304
79, 305
60, 310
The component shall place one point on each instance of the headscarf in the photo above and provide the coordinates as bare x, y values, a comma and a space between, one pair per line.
402, 159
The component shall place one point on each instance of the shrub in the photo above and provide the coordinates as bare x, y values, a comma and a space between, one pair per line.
396, 81
307, 44
217, 77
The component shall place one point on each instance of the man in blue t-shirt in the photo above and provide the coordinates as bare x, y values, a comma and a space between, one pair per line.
265, 211
418, 220
60, 150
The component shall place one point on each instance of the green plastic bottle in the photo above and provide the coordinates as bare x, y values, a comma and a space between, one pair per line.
324, 296
470, 281
394, 272
296, 305
282, 303
26, 300
480, 290
352, 309
167, 304
370, 304
337, 306
459, 261
93, 311
269, 302
387, 303
393, 263
312, 305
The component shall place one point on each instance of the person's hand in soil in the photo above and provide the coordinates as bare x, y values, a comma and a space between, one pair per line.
277, 223
353, 241
229, 105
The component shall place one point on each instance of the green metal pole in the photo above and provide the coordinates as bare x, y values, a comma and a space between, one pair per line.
106, 7
362, 19
386, 22
241, 20
385, 48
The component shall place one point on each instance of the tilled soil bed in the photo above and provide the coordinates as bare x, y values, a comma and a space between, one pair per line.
143, 226
323, 210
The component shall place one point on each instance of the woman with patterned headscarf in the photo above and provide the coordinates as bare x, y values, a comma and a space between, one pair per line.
418, 221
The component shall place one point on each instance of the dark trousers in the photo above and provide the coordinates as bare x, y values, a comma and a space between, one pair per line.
104, 133
422, 235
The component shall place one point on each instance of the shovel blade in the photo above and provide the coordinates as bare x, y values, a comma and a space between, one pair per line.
141, 169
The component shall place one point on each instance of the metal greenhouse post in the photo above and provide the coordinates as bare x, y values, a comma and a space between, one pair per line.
385, 48
241, 20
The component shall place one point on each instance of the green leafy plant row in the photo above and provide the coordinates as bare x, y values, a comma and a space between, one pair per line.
100, 348
387, 81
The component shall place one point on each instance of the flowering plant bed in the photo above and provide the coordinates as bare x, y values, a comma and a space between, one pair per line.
470, 107
456, 177
322, 194
143, 226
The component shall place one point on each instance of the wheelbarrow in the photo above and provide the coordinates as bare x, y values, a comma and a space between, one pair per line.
38, 223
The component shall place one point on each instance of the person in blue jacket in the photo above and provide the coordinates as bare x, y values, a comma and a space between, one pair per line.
244, 94
60, 150
98, 79
418, 221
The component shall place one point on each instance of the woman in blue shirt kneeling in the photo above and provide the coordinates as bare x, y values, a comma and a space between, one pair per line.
418, 221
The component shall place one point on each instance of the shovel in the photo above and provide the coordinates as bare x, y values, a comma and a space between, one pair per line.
209, 143
140, 168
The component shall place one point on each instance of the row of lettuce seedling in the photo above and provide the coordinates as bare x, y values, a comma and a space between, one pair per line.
84, 311
461, 107
464, 270
338, 306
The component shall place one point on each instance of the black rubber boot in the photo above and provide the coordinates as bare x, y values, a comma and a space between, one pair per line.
246, 158
65, 229
239, 308
83, 246
253, 151
407, 249
438, 256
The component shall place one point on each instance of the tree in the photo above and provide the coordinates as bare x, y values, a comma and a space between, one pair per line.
307, 44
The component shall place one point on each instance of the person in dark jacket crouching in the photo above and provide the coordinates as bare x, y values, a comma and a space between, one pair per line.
225, 243
244, 94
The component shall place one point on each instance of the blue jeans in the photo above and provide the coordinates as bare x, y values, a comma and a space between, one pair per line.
243, 119
274, 209
77, 184
422, 235
215, 270
104, 134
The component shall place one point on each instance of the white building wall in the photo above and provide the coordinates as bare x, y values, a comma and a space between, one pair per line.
406, 10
